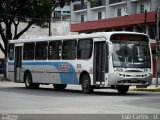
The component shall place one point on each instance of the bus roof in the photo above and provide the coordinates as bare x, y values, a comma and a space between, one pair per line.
83, 35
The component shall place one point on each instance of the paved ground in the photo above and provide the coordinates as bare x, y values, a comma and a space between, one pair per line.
15, 98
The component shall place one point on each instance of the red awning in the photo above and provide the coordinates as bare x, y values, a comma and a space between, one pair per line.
113, 22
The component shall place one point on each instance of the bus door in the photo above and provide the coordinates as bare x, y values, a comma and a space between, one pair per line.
18, 64
99, 62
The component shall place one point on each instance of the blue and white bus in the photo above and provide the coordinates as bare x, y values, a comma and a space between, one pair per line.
98, 60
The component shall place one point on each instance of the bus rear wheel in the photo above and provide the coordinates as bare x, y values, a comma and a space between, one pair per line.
122, 89
86, 85
28, 81
59, 86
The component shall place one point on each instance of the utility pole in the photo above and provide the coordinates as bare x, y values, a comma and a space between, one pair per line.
50, 21
145, 22
157, 44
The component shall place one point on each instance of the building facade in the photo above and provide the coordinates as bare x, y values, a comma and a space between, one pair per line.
61, 13
116, 15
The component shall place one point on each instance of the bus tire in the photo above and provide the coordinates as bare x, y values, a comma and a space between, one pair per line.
86, 84
59, 86
28, 81
122, 89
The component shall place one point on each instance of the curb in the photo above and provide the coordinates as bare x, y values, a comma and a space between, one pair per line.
145, 89
4, 80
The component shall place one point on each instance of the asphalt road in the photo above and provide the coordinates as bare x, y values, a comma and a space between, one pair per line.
16, 99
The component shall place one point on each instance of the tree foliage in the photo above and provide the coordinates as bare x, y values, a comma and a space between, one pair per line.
12, 12
62, 2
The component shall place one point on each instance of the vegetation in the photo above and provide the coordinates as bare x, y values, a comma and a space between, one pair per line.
12, 12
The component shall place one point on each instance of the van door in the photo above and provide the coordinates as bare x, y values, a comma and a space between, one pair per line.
18, 64
99, 62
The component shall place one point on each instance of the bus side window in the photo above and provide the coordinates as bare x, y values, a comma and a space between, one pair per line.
85, 47
54, 50
69, 49
28, 51
41, 50
11, 52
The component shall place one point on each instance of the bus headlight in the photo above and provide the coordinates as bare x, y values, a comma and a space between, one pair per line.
118, 70
147, 70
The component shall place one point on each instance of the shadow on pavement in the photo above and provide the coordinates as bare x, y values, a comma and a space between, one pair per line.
67, 92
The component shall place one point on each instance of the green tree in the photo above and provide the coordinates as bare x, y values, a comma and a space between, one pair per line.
62, 2
13, 12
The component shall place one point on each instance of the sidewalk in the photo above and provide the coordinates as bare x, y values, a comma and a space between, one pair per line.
2, 79
151, 88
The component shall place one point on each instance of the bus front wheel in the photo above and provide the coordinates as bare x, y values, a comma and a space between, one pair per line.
28, 81
86, 85
59, 86
122, 89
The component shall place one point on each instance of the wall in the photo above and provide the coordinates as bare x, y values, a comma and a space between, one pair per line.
154, 4
57, 28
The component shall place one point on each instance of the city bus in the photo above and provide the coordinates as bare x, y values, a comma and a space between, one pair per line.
114, 60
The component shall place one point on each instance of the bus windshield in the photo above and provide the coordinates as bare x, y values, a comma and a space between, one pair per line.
129, 54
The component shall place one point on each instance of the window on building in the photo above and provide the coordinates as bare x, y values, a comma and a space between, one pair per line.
54, 50
28, 51
68, 3
99, 15
141, 8
85, 47
56, 14
82, 2
69, 49
66, 11
41, 50
82, 18
11, 52
119, 12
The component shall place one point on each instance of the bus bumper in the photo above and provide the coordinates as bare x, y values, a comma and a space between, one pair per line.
114, 79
